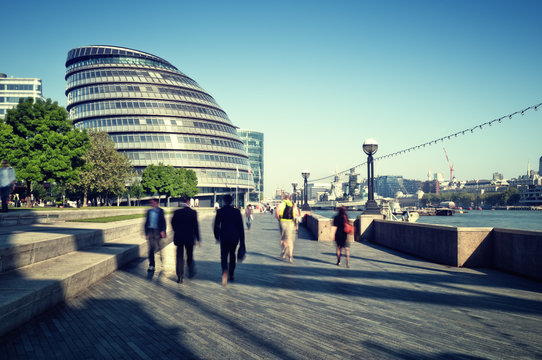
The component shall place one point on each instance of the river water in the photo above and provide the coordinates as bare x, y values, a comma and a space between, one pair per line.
511, 219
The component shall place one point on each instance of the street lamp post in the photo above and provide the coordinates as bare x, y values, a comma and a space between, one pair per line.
370, 146
294, 195
305, 174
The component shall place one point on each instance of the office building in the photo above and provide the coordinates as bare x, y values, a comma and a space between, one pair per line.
12, 89
253, 141
389, 186
156, 114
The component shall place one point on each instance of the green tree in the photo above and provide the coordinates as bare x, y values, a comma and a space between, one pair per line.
169, 181
106, 171
39, 191
136, 190
45, 145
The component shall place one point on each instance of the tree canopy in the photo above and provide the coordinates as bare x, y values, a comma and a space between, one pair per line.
169, 181
39, 140
106, 171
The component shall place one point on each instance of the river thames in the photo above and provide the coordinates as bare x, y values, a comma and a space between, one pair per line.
511, 219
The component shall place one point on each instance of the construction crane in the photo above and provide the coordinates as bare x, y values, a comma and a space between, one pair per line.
450, 166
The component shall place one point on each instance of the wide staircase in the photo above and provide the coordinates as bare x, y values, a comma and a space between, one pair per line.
42, 263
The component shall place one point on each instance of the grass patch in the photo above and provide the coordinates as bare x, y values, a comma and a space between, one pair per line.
108, 219
76, 209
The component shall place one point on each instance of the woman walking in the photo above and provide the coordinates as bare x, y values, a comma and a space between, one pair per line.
339, 221
249, 216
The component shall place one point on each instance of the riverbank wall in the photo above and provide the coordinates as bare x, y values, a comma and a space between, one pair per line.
515, 251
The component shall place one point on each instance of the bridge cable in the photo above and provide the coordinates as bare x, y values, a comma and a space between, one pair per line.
429, 143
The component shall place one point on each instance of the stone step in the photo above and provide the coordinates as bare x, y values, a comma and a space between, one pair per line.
26, 217
25, 245
28, 291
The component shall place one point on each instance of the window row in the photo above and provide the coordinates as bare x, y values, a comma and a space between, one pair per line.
84, 75
243, 176
126, 121
25, 87
216, 127
165, 155
134, 104
104, 89
86, 51
210, 141
121, 60
139, 138
8, 99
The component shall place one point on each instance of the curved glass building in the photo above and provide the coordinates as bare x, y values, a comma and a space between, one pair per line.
156, 114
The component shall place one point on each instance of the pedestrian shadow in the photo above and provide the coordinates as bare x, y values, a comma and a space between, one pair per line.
393, 262
120, 328
326, 280
379, 351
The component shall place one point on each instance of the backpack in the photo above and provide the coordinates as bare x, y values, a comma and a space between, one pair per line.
288, 213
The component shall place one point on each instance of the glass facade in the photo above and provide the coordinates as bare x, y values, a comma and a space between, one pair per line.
253, 141
154, 113
14, 89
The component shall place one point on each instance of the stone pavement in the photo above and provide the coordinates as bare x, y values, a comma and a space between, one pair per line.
386, 306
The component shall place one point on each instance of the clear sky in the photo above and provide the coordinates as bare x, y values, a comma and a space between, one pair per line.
319, 77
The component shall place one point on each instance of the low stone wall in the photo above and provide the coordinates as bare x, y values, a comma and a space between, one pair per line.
449, 245
23, 217
322, 228
518, 252
510, 250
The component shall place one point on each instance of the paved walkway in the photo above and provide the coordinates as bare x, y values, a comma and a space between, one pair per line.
386, 306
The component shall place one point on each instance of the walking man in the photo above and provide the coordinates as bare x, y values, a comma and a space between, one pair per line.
7, 183
155, 229
229, 231
186, 232
286, 213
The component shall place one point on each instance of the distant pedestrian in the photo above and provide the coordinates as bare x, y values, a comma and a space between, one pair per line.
7, 183
155, 229
339, 222
230, 232
285, 213
249, 216
186, 233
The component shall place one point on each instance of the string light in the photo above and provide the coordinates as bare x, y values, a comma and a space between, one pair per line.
462, 132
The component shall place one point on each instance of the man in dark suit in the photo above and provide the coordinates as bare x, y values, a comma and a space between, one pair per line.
186, 228
155, 229
229, 230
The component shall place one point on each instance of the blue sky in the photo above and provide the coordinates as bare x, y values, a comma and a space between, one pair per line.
319, 77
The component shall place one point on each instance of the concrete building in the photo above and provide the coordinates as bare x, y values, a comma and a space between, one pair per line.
530, 195
12, 89
156, 114
254, 141
388, 186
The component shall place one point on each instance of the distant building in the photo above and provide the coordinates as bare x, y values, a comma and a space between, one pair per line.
497, 176
388, 186
530, 195
484, 186
13, 89
253, 141
431, 187
155, 114
540, 167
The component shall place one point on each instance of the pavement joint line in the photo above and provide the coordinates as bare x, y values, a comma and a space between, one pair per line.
387, 306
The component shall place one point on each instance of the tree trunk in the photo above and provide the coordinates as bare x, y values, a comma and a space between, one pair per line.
28, 191
85, 199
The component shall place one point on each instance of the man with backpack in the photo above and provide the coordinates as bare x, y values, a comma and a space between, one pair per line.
286, 215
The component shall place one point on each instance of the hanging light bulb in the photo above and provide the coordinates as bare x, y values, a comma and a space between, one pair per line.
536, 108
523, 112
510, 116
